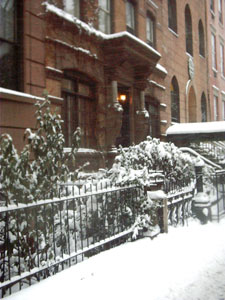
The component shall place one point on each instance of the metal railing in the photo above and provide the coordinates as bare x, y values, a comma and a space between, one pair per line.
42, 238
217, 203
180, 206
214, 150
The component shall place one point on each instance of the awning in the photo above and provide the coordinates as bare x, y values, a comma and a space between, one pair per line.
196, 131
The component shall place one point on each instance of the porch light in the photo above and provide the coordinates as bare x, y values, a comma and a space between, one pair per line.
122, 97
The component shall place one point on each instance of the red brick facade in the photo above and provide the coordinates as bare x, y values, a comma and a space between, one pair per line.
85, 70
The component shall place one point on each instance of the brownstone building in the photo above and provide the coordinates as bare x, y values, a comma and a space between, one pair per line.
119, 69
216, 58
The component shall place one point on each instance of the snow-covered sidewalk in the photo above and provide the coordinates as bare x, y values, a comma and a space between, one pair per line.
186, 264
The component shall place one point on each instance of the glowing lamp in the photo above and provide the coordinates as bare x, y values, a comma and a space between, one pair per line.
122, 97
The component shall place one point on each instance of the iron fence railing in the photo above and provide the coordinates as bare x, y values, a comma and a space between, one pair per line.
212, 150
217, 203
180, 205
42, 238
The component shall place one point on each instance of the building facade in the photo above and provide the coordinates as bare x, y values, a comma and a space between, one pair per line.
120, 70
216, 58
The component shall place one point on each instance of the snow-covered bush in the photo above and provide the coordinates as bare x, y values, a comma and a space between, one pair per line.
34, 174
138, 163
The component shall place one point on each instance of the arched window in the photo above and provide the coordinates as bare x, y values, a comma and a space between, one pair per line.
79, 107
150, 29
172, 15
188, 30
175, 101
204, 108
201, 39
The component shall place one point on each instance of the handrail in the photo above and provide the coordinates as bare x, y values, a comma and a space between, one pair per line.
196, 154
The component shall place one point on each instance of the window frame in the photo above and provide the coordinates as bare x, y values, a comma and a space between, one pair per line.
14, 81
84, 114
220, 11
201, 35
175, 101
212, 5
150, 34
214, 56
204, 108
172, 15
107, 13
131, 11
188, 31
223, 109
222, 59
76, 12
216, 107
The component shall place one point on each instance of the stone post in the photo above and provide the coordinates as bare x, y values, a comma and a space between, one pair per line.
142, 119
161, 197
201, 202
114, 89
113, 117
198, 172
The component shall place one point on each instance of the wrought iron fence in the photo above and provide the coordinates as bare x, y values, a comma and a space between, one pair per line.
42, 238
45, 237
180, 205
217, 201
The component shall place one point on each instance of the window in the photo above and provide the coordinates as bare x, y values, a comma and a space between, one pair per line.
104, 17
153, 109
150, 30
72, 7
220, 11
172, 15
79, 109
9, 47
130, 17
222, 61
216, 117
223, 110
212, 5
188, 31
201, 39
213, 45
175, 102
204, 108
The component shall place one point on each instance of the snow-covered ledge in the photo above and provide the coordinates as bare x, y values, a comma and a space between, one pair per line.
18, 96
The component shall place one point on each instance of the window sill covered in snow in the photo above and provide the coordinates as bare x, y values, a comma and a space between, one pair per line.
18, 96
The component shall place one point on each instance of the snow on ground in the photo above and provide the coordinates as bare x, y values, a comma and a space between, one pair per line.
186, 264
